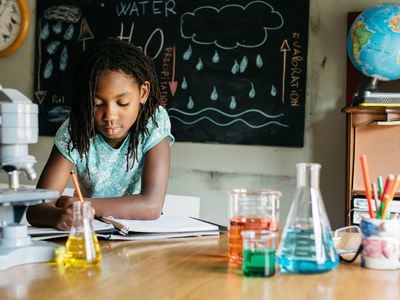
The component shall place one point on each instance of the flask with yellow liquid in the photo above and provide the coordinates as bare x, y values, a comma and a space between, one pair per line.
82, 246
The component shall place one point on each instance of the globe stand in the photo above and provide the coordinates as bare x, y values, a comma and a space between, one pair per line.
371, 96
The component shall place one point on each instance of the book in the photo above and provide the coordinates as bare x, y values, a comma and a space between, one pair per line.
362, 204
360, 209
47, 232
121, 229
164, 224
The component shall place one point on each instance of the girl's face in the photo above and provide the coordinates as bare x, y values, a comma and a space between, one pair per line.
117, 102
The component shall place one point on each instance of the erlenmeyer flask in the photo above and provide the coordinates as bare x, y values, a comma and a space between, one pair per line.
82, 246
306, 245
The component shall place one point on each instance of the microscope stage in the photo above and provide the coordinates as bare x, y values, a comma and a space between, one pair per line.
26, 196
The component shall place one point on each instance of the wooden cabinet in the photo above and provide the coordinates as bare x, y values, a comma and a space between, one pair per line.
374, 131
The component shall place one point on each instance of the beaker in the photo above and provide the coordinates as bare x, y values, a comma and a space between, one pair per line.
250, 210
259, 253
82, 246
307, 245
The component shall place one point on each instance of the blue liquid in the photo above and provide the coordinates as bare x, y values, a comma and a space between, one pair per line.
298, 254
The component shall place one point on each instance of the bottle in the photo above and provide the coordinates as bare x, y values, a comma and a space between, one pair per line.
307, 245
82, 246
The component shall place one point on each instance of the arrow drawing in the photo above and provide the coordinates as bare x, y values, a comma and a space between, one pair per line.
173, 84
284, 48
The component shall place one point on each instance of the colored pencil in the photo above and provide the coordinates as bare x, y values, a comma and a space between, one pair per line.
390, 197
367, 184
76, 186
386, 191
376, 197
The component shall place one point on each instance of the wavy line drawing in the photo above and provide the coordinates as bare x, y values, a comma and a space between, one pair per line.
229, 123
252, 110
67, 13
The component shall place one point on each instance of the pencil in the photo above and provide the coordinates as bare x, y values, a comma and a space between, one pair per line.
375, 193
380, 186
390, 197
386, 191
367, 184
76, 186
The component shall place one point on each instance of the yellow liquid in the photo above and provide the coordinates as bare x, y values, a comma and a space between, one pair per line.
75, 253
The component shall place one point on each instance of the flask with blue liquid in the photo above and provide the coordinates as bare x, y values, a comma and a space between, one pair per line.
307, 246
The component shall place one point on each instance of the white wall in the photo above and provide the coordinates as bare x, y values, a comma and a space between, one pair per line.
208, 170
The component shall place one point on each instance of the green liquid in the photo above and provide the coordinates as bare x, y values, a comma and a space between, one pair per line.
258, 262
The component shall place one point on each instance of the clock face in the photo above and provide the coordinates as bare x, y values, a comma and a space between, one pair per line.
10, 22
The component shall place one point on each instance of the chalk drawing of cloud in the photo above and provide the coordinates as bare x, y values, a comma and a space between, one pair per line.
231, 26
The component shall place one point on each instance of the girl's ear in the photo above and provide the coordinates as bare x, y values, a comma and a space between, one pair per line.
144, 92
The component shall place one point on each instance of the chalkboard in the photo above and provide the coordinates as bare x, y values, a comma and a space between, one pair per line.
231, 72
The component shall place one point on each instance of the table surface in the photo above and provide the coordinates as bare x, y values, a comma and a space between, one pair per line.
187, 268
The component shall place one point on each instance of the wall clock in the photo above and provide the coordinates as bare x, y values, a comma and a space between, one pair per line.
14, 25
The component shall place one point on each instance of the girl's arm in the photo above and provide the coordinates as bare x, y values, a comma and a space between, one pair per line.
55, 177
148, 204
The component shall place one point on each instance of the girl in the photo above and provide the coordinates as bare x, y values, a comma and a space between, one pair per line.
118, 137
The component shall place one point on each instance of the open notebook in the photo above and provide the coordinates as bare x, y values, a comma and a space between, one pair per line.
163, 227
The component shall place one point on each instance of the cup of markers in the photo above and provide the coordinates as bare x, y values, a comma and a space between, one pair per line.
379, 196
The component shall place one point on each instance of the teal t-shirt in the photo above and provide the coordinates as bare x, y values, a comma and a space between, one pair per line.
108, 174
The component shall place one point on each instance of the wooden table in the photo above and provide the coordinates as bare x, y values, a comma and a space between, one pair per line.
190, 268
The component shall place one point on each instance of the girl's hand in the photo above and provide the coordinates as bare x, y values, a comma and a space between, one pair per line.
66, 201
65, 220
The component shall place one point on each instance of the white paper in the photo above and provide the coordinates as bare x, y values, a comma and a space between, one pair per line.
155, 236
35, 231
168, 224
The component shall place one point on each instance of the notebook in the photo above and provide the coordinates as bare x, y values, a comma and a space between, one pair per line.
164, 224
121, 229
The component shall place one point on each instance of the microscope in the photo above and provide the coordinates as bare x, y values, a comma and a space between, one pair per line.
18, 128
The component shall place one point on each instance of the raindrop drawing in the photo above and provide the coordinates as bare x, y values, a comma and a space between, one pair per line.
259, 61
232, 105
243, 64
273, 91
184, 84
48, 69
252, 92
215, 58
188, 53
57, 28
64, 59
190, 103
44, 34
69, 33
214, 94
235, 67
52, 47
199, 65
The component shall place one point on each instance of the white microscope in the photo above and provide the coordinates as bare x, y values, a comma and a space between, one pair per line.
18, 128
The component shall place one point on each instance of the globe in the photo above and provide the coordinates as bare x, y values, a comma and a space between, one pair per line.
373, 42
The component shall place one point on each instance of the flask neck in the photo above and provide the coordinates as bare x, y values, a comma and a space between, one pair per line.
81, 214
308, 175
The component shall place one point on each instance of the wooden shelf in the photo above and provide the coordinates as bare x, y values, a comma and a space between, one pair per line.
374, 131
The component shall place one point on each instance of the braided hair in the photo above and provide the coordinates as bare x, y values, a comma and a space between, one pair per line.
110, 55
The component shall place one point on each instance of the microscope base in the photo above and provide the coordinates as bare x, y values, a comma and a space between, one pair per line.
17, 248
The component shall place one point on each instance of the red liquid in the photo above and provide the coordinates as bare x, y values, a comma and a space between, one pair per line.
237, 225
